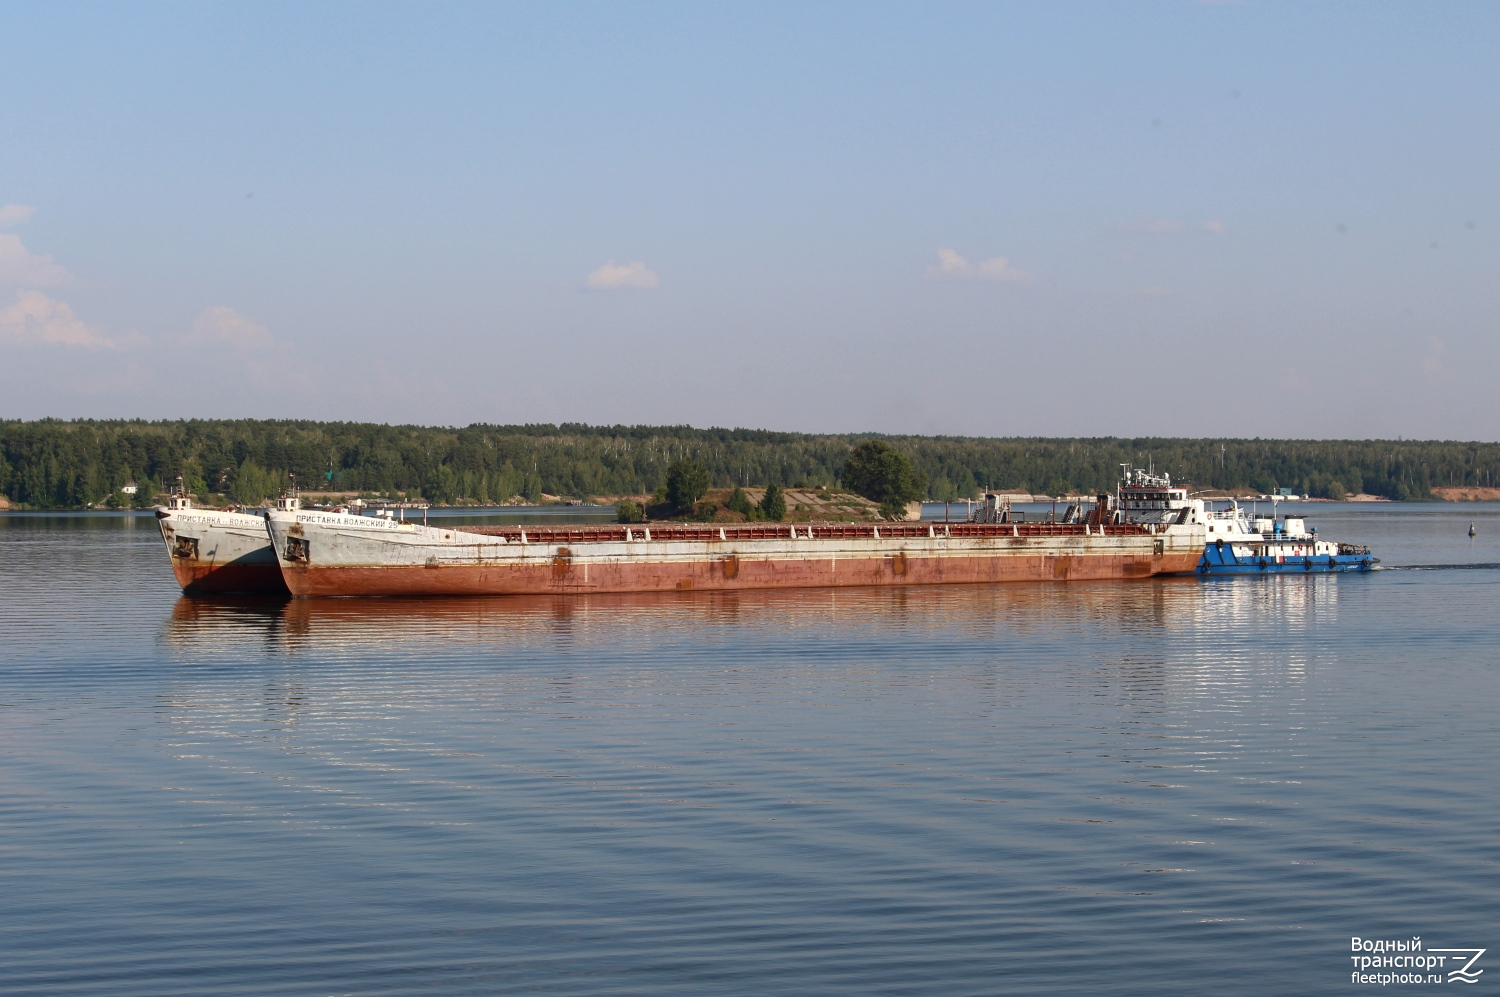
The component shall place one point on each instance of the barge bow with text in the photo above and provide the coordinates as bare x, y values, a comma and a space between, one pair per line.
215, 552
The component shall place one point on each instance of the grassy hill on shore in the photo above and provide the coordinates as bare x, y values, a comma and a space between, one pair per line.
56, 464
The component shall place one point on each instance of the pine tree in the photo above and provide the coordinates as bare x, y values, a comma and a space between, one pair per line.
773, 504
740, 502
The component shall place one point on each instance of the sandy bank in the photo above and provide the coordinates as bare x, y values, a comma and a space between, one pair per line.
1475, 494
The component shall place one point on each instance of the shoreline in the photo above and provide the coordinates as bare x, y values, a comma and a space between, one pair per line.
596, 503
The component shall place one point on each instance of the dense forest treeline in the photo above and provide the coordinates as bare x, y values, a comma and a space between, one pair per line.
75, 464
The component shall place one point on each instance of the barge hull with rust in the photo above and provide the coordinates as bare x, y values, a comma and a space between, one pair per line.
259, 577
219, 553
338, 555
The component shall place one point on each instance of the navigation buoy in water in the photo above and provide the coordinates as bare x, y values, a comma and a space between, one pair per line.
1472, 531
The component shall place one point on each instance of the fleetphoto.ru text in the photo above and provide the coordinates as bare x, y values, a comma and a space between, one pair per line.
1387, 962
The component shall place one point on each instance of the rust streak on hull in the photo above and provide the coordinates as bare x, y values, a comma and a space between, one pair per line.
333, 554
721, 574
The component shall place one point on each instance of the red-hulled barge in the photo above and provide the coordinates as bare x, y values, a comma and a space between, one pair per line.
336, 554
214, 552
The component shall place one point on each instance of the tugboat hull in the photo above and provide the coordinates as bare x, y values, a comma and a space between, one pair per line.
1224, 560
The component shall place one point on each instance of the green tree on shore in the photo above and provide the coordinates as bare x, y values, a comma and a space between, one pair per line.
687, 481
883, 474
252, 485
61, 464
740, 502
772, 506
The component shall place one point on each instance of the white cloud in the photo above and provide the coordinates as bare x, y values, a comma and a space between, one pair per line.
614, 276
997, 268
225, 326
37, 319
1171, 226
19, 265
262, 360
14, 214
951, 264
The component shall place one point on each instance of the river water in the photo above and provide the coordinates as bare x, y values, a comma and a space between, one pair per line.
1169, 786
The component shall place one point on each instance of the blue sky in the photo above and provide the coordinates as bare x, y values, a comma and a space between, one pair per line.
1041, 219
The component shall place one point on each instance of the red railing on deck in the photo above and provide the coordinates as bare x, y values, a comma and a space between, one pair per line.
783, 531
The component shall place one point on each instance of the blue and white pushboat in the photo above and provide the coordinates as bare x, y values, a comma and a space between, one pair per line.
1244, 545
1239, 543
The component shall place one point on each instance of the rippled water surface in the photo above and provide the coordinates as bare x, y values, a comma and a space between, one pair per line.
1151, 787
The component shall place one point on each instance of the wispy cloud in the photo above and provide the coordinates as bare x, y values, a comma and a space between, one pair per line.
619, 276
14, 214
244, 351
19, 265
260, 358
224, 326
1172, 226
951, 265
36, 320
